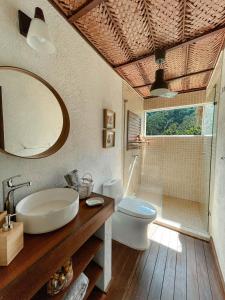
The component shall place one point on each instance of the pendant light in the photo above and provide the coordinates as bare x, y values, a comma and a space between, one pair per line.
160, 87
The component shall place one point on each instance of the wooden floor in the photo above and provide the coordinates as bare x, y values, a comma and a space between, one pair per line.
175, 267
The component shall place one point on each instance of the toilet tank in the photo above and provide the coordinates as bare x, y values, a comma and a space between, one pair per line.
114, 189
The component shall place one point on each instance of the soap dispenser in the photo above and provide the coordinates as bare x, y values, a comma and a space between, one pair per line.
11, 240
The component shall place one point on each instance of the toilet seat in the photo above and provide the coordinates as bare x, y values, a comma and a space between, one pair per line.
137, 208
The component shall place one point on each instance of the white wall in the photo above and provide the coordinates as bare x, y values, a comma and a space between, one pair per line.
86, 84
217, 205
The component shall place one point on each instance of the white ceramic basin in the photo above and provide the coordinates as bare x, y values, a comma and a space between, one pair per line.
47, 210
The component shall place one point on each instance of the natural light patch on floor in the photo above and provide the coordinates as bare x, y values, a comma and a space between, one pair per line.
170, 238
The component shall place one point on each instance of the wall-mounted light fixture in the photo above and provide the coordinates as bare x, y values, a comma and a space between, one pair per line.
36, 31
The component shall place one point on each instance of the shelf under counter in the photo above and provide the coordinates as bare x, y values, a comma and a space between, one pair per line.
44, 254
97, 295
82, 262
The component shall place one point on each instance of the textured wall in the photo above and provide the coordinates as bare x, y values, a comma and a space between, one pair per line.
86, 84
213, 91
217, 205
178, 166
132, 171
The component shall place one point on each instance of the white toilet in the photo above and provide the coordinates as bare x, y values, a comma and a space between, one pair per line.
131, 218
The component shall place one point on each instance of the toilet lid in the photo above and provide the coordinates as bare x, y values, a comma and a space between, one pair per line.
137, 208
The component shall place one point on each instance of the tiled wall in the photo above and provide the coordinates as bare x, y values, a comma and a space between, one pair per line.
180, 100
178, 165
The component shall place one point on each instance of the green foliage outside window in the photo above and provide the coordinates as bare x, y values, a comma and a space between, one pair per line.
182, 121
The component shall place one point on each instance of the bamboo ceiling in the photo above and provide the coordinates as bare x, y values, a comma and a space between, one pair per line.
127, 32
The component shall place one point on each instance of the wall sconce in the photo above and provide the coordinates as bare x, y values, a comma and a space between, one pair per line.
36, 31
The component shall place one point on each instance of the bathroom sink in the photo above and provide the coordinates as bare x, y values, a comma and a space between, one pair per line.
47, 210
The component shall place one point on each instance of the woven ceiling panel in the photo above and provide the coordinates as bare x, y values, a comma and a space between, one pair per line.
174, 67
202, 16
175, 62
99, 28
166, 21
132, 74
182, 84
127, 33
143, 91
70, 6
178, 85
130, 17
201, 55
149, 66
197, 81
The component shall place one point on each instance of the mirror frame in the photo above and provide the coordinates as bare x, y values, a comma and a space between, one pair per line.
66, 120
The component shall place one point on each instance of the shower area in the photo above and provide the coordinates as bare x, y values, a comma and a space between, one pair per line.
172, 167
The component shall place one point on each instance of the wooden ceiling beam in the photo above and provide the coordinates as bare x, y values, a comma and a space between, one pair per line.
178, 77
183, 44
179, 92
84, 10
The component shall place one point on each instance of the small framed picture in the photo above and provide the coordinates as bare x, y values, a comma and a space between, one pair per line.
109, 119
108, 138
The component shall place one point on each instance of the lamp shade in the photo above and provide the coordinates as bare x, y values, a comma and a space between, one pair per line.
169, 94
160, 86
38, 36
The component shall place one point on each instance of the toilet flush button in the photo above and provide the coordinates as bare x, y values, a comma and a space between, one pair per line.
95, 201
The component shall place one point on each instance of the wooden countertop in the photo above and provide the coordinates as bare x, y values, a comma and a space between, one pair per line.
43, 254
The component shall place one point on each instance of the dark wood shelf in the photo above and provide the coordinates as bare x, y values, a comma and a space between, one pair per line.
93, 272
97, 295
44, 254
81, 262
85, 254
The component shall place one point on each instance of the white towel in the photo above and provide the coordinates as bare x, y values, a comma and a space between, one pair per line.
78, 289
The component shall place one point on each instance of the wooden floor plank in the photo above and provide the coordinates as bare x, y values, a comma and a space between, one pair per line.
215, 281
136, 276
202, 272
170, 270
192, 278
119, 254
144, 281
121, 280
181, 270
158, 276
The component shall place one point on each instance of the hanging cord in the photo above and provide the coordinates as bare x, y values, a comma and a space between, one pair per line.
161, 65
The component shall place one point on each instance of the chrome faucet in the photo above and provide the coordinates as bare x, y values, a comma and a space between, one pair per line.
8, 192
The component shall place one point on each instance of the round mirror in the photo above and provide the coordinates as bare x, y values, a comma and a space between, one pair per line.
34, 121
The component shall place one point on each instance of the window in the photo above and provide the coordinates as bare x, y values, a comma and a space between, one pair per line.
179, 121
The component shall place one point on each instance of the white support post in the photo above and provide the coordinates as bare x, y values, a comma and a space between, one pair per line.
104, 256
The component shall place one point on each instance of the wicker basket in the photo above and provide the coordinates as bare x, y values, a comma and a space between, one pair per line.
86, 187
61, 279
